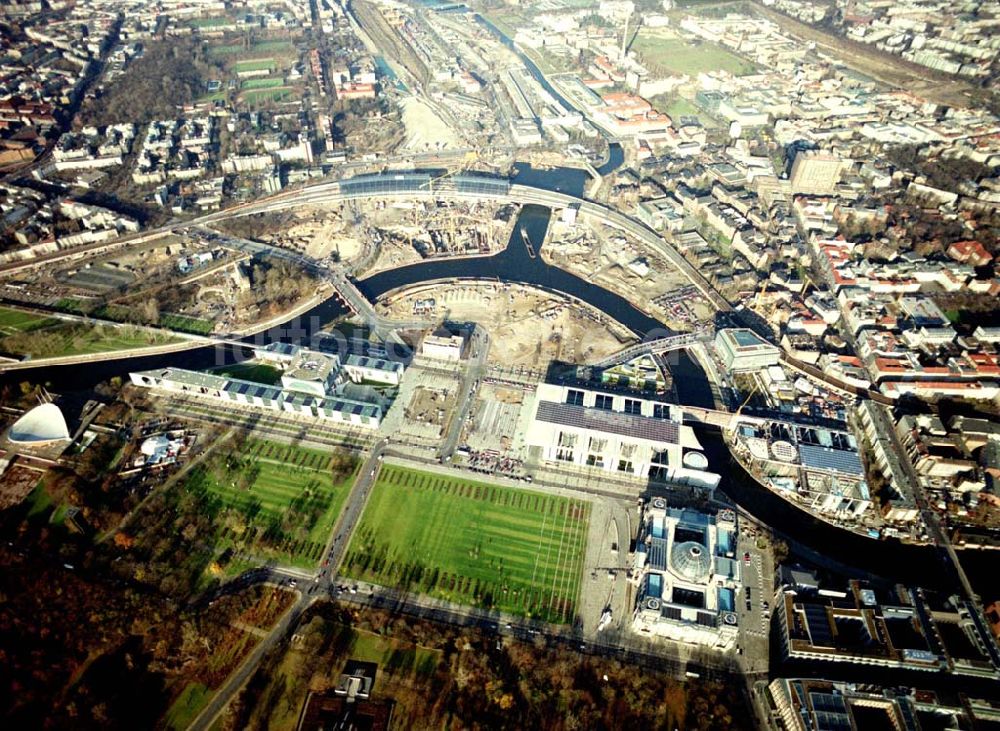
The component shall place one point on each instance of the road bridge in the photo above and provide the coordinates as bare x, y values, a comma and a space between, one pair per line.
384, 328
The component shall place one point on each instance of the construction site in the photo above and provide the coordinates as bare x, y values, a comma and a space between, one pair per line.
609, 258
404, 232
527, 327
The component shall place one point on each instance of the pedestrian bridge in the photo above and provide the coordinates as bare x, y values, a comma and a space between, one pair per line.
654, 347
710, 417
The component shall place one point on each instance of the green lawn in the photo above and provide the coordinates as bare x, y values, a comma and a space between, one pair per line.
254, 64
15, 321
52, 338
471, 542
189, 703
277, 94
216, 96
273, 46
387, 652
277, 501
252, 371
228, 50
70, 304
669, 55
185, 323
262, 83
677, 107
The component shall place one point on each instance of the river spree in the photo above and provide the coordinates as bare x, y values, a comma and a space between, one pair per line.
809, 538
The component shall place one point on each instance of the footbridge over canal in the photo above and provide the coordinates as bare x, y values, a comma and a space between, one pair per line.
658, 346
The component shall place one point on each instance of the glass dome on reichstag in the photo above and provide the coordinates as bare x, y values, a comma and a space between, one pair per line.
691, 561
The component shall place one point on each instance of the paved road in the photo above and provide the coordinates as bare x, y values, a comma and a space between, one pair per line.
242, 674
479, 345
312, 588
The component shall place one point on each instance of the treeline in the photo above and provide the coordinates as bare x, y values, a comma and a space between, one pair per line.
446, 677
78, 650
945, 172
277, 285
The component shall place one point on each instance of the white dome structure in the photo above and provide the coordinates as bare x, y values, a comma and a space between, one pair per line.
691, 561
43, 424
154, 444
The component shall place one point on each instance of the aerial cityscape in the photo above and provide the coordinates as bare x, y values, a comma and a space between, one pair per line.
522, 364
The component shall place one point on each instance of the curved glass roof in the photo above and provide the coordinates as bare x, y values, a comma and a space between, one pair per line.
691, 561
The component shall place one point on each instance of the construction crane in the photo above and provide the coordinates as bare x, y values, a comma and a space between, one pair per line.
755, 389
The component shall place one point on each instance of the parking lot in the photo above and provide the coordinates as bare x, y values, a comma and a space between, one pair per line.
758, 589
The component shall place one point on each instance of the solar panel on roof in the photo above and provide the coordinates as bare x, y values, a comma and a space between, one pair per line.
818, 625
610, 422
827, 702
831, 721
834, 460
657, 556
671, 612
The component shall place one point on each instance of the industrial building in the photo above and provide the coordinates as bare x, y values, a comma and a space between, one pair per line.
616, 432
688, 576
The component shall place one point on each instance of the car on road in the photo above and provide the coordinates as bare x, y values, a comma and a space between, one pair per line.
746, 558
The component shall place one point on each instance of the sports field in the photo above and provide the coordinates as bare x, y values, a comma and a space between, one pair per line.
254, 64
470, 542
666, 54
210, 22
277, 94
273, 46
227, 50
277, 500
262, 83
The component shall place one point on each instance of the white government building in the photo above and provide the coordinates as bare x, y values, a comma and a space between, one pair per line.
616, 432
312, 384
688, 576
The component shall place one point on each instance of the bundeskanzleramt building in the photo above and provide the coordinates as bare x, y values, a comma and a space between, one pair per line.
313, 384
688, 576
616, 432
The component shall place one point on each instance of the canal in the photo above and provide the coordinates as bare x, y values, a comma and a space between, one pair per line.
517, 264
808, 538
